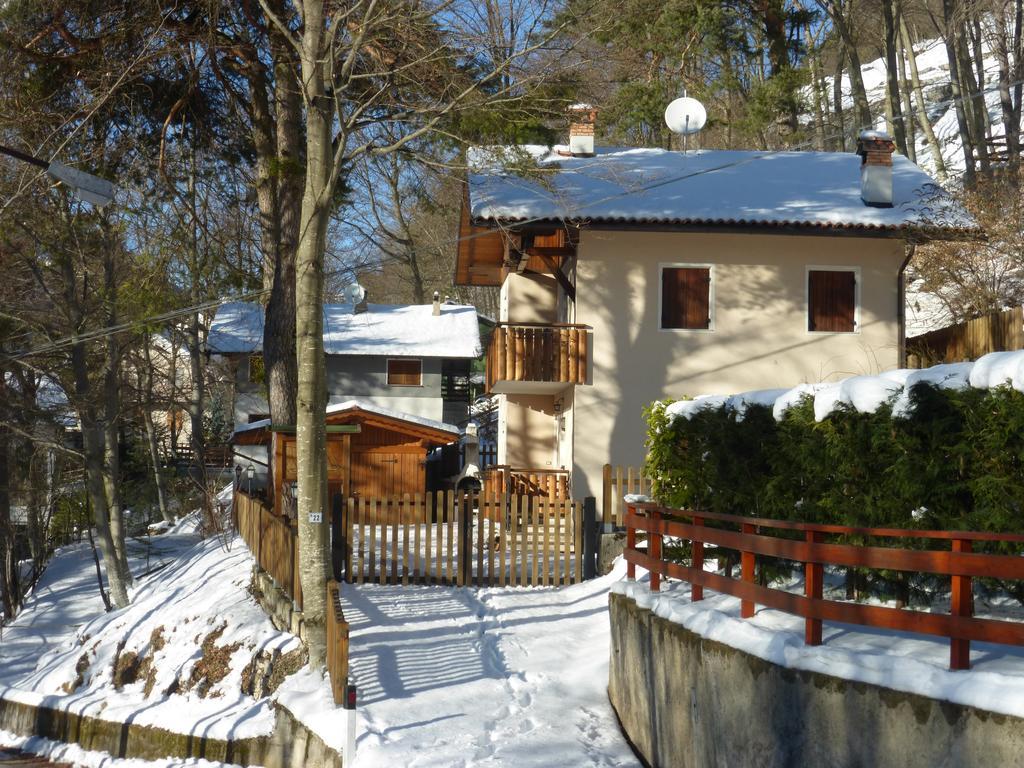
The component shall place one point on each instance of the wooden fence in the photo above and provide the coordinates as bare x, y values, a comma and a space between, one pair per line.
462, 540
503, 479
273, 542
275, 546
958, 563
618, 482
999, 331
337, 643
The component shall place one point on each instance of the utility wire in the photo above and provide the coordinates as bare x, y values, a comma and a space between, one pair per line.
101, 333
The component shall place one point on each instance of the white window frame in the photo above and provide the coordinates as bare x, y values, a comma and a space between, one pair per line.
807, 298
387, 376
711, 295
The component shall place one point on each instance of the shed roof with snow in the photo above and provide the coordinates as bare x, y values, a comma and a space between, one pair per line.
402, 330
635, 187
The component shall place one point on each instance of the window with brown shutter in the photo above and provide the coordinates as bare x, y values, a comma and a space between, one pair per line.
686, 297
405, 373
831, 300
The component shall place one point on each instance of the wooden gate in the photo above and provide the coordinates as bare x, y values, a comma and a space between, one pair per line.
462, 540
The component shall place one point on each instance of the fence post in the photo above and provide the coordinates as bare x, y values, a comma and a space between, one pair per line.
747, 573
606, 497
697, 549
654, 549
813, 577
961, 604
338, 535
630, 542
465, 553
590, 537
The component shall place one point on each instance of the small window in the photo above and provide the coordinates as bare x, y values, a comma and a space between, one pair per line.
405, 373
831, 300
686, 297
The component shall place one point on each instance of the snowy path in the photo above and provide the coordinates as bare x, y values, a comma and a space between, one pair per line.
464, 677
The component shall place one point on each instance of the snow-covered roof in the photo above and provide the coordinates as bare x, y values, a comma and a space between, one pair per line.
366, 407
363, 405
704, 187
399, 330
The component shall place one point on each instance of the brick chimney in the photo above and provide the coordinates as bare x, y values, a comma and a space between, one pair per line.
875, 149
581, 130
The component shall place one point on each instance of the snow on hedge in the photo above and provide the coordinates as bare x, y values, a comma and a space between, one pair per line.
866, 394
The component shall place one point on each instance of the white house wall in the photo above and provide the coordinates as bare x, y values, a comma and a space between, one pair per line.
759, 340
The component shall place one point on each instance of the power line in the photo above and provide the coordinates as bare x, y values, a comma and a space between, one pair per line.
112, 330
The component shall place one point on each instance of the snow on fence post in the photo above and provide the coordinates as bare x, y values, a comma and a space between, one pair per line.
747, 573
961, 604
813, 578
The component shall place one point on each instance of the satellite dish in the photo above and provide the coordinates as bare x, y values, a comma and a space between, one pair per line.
685, 116
355, 293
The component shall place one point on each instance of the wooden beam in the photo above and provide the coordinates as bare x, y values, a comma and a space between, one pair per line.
348, 429
560, 276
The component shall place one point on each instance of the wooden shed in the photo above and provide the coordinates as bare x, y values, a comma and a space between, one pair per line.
372, 452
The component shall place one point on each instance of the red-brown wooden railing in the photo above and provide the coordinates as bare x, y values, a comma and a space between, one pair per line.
537, 352
959, 563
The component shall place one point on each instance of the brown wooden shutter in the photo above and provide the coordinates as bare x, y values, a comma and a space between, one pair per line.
686, 297
405, 373
832, 303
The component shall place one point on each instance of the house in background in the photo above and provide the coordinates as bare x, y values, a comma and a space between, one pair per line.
410, 361
633, 275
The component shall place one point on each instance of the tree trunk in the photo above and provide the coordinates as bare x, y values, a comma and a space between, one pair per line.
922, 115
36, 492
892, 90
111, 422
151, 438
905, 94
1002, 50
949, 15
9, 586
310, 436
837, 97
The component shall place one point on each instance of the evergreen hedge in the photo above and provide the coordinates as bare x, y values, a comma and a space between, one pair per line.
955, 463
957, 460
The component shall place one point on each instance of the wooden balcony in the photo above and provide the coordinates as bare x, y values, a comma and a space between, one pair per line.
537, 358
552, 484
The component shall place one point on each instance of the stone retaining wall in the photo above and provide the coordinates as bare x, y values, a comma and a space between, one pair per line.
291, 745
687, 701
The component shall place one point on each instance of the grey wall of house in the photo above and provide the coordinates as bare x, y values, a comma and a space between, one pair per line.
365, 377
684, 700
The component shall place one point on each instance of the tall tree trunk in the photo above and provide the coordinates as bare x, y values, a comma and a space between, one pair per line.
10, 589
905, 95
312, 394
1002, 50
949, 10
112, 420
92, 438
36, 493
922, 114
892, 90
148, 405
837, 97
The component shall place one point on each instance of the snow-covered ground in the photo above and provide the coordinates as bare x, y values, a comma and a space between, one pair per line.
479, 677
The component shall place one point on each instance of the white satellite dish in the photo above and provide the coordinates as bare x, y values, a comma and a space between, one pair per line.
355, 293
685, 116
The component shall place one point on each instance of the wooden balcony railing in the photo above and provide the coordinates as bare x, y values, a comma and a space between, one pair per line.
538, 353
552, 484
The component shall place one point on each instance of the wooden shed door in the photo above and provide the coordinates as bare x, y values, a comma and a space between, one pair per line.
377, 474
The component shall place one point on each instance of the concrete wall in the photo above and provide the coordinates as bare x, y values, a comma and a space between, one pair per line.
759, 337
529, 299
526, 426
690, 702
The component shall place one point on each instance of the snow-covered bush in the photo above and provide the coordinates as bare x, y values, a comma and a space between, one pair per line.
949, 458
